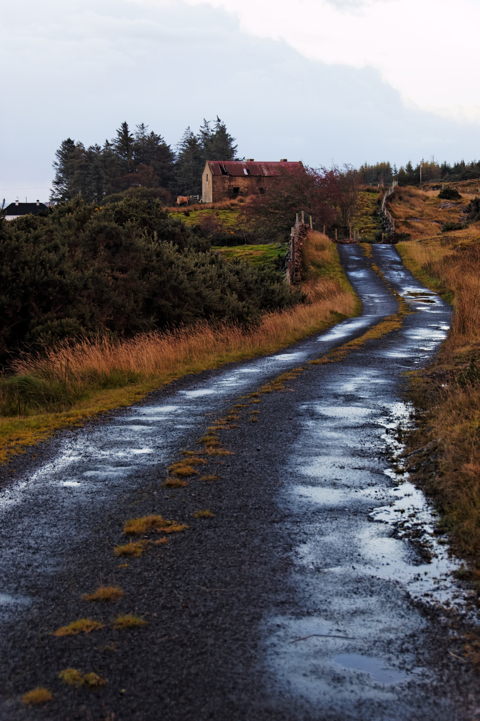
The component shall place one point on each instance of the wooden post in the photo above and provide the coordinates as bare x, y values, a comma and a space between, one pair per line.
336, 237
324, 230
311, 223
350, 232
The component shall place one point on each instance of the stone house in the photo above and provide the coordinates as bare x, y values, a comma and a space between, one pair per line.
226, 179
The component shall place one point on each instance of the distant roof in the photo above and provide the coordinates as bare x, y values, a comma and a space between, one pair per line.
241, 168
24, 208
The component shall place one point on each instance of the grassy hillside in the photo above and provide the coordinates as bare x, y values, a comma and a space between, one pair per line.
421, 213
254, 254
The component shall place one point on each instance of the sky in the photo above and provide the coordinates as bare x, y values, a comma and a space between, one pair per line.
322, 81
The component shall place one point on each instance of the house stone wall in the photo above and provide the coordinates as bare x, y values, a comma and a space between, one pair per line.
216, 188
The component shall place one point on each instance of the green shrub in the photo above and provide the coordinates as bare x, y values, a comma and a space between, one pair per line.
449, 193
82, 271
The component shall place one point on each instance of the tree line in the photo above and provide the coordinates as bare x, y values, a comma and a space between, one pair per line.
141, 158
384, 173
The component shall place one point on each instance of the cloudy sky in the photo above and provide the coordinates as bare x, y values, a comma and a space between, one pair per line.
344, 81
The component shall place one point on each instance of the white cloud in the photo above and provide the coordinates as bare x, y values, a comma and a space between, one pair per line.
427, 49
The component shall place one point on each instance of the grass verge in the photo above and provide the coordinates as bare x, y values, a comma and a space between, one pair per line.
100, 375
445, 446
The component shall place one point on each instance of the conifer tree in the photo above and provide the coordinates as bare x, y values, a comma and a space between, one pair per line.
189, 165
64, 165
123, 145
218, 144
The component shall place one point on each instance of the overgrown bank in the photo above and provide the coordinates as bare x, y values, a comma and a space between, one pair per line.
68, 383
445, 448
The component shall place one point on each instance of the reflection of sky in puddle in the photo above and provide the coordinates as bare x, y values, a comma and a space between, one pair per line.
136, 428
7, 600
70, 484
152, 410
288, 356
108, 472
249, 370
329, 496
198, 393
348, 413
374, 667
342, 329
433, 334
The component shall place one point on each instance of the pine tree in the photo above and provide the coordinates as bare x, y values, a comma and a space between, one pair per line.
151, 150
64, 170
189, 165
123, 145
217, 144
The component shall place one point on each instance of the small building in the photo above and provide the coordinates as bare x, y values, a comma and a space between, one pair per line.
226, 179
16, 209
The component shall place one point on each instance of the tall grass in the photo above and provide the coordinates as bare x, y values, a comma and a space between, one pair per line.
65, 376
449, 390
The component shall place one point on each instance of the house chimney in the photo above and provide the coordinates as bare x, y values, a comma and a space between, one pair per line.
16, 202
38, 202
283, 160
249, 160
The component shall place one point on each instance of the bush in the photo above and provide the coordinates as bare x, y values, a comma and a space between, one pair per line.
446, 227
449, 193
473, 210
128, 267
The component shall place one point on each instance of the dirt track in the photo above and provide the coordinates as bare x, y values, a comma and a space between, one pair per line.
304, 597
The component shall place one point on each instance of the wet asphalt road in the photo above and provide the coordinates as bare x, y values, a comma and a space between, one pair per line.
304, 597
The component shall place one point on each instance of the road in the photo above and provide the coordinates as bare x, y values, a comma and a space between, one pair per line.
316, 591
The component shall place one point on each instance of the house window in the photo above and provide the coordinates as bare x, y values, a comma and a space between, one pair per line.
261, 190
207, 178
236, 191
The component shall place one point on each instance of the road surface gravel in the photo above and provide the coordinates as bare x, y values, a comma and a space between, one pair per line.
317, 590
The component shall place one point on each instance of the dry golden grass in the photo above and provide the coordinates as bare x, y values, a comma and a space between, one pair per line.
104, 594
83, 625
174, 483
133, 549
422, 213
452, 409
128, 621
204, 514
73, 677
37, 696
210, 478
147, 524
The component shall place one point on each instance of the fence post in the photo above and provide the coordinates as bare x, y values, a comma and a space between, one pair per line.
311, 223
324, 230
336, 237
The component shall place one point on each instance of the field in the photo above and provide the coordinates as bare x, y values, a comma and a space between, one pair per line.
254, 254
226, 213
421, 213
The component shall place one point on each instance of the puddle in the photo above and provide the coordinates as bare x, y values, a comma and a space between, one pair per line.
343, 329
198, 393
374, 667
70, 484
7, 600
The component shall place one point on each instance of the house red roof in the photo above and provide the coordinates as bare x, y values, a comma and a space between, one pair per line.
242, 168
